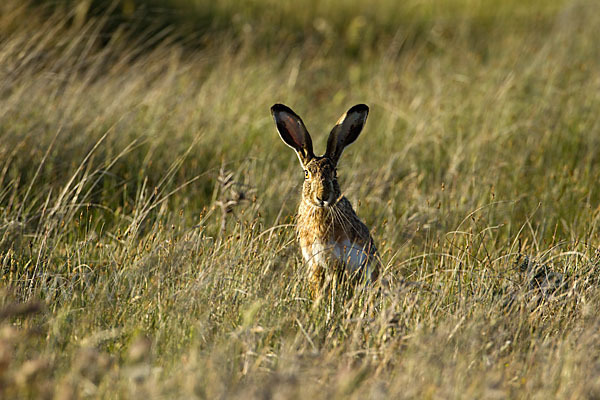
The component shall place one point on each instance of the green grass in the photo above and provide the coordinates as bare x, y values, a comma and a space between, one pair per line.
122, 278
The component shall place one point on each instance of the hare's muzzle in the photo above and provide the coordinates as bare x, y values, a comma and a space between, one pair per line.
321, 202
324, 196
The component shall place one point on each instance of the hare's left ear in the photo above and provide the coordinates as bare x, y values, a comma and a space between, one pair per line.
293, 132
345, 131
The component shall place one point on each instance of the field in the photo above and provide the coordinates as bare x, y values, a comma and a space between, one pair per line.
147, 246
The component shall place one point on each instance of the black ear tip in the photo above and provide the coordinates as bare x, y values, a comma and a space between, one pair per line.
360, 108
278, 108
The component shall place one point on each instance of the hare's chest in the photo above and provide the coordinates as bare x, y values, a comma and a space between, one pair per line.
351, 255
317, 252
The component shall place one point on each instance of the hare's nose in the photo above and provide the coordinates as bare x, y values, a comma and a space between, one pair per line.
320, 201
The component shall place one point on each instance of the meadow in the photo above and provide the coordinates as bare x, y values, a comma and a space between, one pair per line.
147, 246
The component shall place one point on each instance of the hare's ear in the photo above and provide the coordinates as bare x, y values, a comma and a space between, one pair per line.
345, 131
293, 132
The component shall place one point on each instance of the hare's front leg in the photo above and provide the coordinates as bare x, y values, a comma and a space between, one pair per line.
316, 275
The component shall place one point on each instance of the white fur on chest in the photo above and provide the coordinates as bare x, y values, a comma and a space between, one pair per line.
349, 254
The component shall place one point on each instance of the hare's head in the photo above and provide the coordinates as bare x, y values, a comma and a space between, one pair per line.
321, 188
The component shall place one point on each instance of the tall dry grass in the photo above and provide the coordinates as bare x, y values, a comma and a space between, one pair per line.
124, 276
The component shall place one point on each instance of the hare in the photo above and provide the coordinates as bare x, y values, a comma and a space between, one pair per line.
332, 237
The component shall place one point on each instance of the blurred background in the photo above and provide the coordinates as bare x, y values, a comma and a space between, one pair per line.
455, 87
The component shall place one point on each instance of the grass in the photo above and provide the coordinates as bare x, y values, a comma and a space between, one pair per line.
124, 276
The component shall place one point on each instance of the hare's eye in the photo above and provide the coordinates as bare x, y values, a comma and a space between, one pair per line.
305, 174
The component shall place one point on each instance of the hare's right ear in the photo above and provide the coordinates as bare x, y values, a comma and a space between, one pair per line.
346, 131
293, 132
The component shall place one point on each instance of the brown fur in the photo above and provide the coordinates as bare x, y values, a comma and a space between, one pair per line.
319, 224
